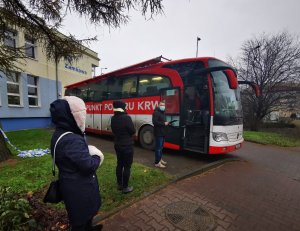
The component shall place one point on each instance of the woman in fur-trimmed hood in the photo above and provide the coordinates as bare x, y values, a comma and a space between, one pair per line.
77, 162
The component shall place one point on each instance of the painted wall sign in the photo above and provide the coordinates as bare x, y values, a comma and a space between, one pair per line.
72, 68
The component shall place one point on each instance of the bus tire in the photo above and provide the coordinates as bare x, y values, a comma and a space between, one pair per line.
146, 138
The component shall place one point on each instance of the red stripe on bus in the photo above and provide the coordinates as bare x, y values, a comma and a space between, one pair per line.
96, 131
171, 146
223, 150
143, 105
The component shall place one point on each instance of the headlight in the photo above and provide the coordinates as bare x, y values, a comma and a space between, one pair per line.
240, 135
219, 136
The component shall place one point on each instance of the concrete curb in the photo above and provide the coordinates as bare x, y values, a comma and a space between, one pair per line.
203, 169
98, 218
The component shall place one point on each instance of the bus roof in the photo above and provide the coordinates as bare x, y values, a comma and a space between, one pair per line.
157, 62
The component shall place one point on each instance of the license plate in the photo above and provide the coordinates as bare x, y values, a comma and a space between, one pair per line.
237, 146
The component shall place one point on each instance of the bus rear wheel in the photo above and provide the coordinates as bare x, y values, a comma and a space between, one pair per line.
146, 138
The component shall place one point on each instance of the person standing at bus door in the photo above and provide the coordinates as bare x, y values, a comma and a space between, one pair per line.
123, 130
159, 122
77, 163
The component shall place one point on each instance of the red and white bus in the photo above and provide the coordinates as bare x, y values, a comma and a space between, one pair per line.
201, 94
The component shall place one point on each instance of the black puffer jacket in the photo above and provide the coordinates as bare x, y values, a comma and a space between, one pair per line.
122, 128
158, 120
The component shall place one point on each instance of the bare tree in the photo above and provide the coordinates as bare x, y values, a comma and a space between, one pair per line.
272, 62
41, 19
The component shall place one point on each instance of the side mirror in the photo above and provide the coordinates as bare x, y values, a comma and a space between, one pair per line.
232, 79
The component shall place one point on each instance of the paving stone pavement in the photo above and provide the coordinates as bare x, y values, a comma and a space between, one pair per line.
241, 195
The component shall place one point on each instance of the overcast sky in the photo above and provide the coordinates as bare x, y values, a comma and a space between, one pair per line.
222, 25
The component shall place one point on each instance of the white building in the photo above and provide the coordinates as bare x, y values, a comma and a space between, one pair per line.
25, 96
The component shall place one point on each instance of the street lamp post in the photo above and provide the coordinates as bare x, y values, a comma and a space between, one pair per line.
198, 39
103, 68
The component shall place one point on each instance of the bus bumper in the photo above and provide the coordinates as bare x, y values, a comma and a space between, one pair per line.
223, 150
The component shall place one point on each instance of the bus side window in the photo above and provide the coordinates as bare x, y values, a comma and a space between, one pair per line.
114, 88
68, 92
83, 93
90, 96
105, 95
152, 90
150, 85
118, 95
129, 87
125, 94
73, 92
97, 96
98, 90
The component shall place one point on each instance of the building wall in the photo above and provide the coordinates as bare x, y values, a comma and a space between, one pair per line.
289, 104
24, 116
67, 72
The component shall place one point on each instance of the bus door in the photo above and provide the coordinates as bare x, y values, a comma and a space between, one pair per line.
195, 118
171, 96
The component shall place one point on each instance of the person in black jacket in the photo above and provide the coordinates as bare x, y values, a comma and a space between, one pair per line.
159, 122
77, 163
123, 130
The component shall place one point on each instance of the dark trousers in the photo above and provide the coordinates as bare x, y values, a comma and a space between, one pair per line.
124, 162
85, 227
159, 144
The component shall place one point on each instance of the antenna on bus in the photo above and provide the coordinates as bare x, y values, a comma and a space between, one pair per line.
165, 58
138, 65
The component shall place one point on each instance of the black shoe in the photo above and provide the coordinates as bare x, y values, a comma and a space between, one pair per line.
97, 227
127, 189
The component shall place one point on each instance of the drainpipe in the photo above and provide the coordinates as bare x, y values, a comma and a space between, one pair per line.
56, 76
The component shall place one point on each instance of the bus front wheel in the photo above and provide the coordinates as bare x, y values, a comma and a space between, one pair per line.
146, 138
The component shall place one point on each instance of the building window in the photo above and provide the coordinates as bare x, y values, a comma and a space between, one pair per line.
29, 47
32, 84
13, 89
93, 71
10, 39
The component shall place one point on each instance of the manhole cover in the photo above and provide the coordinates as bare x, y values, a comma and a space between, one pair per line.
190, 217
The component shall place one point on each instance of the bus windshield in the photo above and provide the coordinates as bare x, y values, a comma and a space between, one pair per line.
227, 103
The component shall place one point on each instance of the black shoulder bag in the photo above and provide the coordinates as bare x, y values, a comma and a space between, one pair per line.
53, 194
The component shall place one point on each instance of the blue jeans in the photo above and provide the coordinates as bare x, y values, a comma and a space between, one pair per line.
159, 144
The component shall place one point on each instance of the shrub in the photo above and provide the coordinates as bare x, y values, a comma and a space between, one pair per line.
293, 116
14, 212
281, 124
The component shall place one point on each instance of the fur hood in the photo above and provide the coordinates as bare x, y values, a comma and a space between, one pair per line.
78, 110
69, 114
